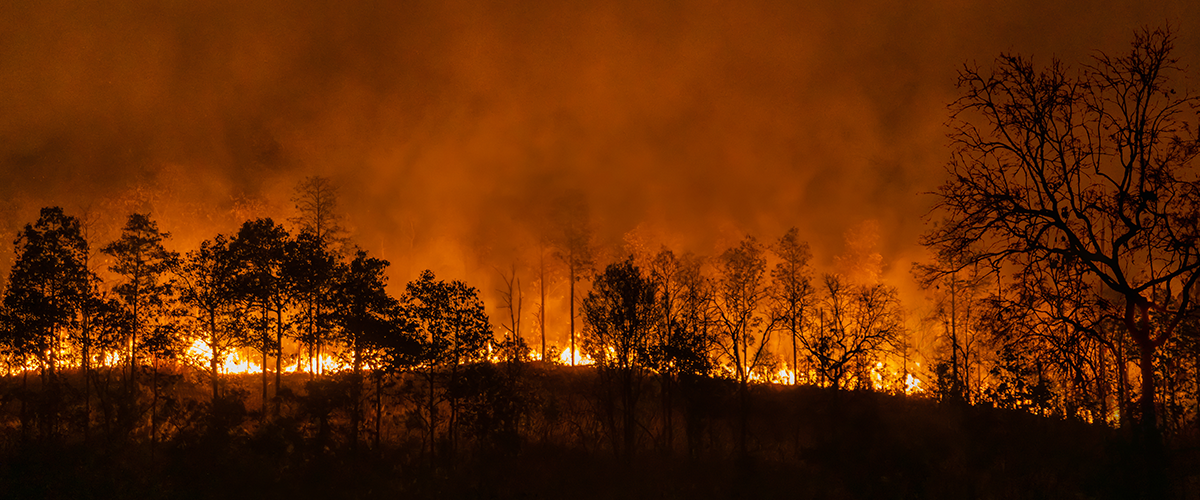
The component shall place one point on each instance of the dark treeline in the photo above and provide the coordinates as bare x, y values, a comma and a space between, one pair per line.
1063, 285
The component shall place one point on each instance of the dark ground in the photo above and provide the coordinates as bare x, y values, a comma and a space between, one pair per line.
804, 443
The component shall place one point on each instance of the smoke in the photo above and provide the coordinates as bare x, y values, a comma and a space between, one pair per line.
457, 129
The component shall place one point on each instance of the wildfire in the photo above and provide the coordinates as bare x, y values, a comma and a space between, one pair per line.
236, 361
580, 358
200, 354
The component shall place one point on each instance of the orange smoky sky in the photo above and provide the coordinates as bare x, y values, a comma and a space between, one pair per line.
457, 131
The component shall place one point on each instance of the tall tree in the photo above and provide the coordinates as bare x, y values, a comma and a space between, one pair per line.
148, 292
1097, 169
453, 329
575, 250
513, 347
955, 296
793, 290
142, 262
743, 328
318, 216
620, 314
311, 269
260, 250
857, 325
365, 315
47, 288
208, 284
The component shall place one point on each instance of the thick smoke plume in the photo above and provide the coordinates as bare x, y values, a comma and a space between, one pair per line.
458, 131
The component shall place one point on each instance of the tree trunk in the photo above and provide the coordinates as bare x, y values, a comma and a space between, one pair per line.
87, 394
212, 329
571, 271
1149, 413
668, 413
629, 412
743, 417
278, 357
432, 408
542, 304
1155, 452
356, 399
378, 405
265, 339
154, 409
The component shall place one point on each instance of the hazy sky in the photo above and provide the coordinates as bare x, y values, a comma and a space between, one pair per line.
457, 129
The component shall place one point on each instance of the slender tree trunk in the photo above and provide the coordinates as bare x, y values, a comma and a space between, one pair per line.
1102, 378
795, 352
1156, 487
317, 319
278, 357
86, 364
432, 408
1196, 379
154, 409
378, 405
743, 417
955, 381
25, 431
1123, 402
629, 413
1149, 412
212, 329
133, 337
265, 338
356, 400
542, 306
571, 271
668, 412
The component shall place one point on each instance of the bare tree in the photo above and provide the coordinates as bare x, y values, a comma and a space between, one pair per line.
743, 329
513, 347
326, 240
793, 289
857, 325
574, 242
1095, 169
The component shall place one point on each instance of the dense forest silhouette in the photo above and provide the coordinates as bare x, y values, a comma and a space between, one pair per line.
277, 362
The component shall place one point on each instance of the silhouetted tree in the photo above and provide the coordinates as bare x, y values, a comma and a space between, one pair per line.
365, 316
311, 268
208, 284
620, 315
453, 329
316, 200
744, 326
512, 348
793, 290
1095, 170
146, 290
574, 242
48, 286
260, 252
956, 297
857, 324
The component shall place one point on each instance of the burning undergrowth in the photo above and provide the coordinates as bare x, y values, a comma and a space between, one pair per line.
528, 430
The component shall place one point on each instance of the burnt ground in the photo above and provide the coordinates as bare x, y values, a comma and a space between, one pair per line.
802, 442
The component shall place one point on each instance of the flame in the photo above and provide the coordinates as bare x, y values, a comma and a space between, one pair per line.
237, 361
564, 357
199, 353
785, 375
912, 385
